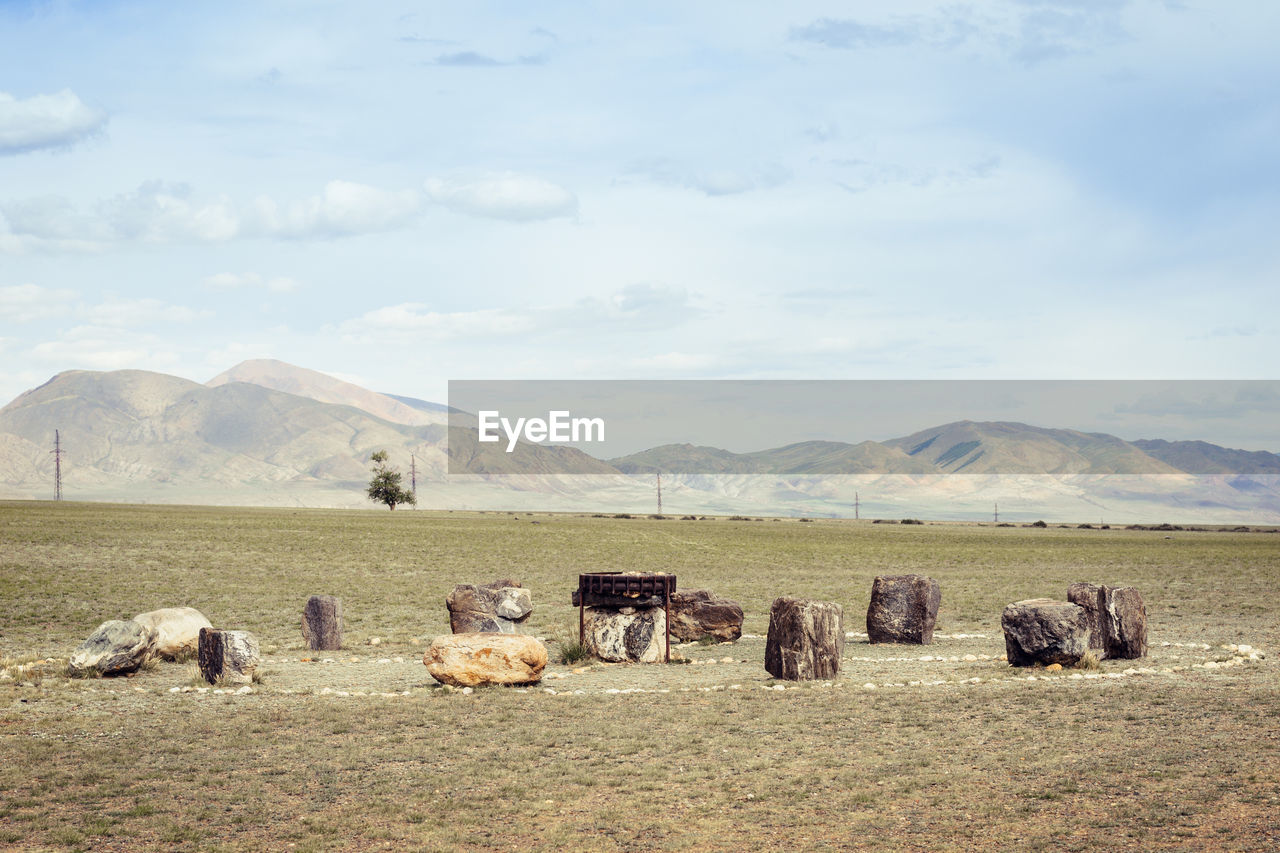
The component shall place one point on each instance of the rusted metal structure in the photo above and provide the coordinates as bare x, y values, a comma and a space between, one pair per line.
625, 589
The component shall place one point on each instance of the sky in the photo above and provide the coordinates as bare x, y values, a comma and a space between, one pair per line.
406, 194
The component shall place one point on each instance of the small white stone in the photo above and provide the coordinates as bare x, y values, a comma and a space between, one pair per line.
175, 689
868, 686
970, 657
245, 690
467, 691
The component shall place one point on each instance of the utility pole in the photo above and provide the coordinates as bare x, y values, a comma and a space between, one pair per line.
57, 465
857, 507
413, 478
997, 515
659, 493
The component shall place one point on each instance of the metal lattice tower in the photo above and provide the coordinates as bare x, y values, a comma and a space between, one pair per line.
413, 478
997, 513
57, 465
659, 494
857, 506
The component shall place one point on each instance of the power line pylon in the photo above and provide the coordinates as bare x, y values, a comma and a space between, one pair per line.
57, 465
659, 493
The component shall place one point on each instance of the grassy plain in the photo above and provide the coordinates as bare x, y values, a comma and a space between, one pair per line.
1183, 761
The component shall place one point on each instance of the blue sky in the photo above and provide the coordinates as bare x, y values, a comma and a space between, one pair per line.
403, 194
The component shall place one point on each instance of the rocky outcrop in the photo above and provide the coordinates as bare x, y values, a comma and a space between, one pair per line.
116, 647
1044, 631
322, 623
177, 631
227, 656
498, 607
806, 639
1117, 616
698, 613
903, 609
633, 634
474, 659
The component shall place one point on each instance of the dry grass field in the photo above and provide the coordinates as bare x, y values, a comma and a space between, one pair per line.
365, 752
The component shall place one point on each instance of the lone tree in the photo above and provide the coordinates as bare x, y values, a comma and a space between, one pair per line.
385, 485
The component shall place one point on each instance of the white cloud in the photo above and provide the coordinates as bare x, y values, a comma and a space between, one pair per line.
342, 209
413, 318
23, 303
233, 281
129, 313
717, 181
99, 348
161, 212
45, 121
515, 198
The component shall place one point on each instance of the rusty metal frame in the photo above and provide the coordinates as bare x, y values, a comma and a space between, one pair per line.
624, 584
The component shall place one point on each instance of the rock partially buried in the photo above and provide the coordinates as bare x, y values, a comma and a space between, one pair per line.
322, 623
1091, 597
634, 634
698, 613
1044, 631
229, 656
116, 647
1117, 617
903, 609
497, 607
470, 660
806, 639
177, 631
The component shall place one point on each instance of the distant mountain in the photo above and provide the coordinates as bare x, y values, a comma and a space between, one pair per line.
280, 376
803, 458
132, 426
969, 447
1201, 457
421, 405
137, 436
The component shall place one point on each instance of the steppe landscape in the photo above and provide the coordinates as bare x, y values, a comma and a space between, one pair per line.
943, 747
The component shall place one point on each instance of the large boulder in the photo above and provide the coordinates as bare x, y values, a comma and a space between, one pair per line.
1092, 597
806, 639
632, 634
177, 631
322, 623
1125, 623
903, 609
116, 647
1044, 631
698, 613
498, 607
470, 660
227, 656
1117, 616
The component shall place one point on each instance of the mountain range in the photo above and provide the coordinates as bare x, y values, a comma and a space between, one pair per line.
268, 433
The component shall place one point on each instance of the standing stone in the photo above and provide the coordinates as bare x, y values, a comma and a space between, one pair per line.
806, 639
903, 609
1091, 597
230, 656
1117, 617
116, 647
1125, 623
698, 613
497, 607
470, 660
177, 631
634, 634
1044, 631
322, 622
